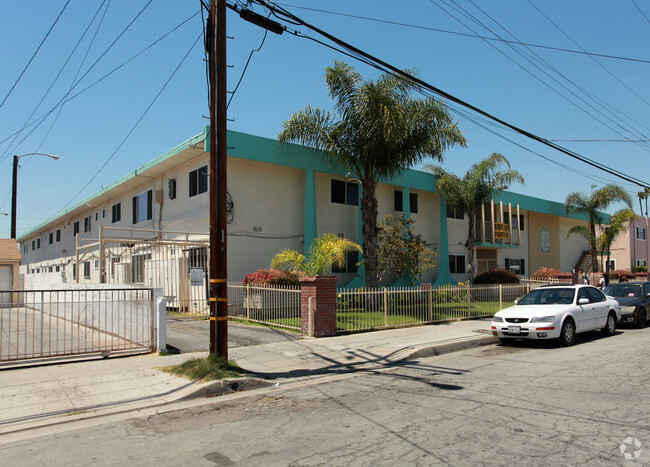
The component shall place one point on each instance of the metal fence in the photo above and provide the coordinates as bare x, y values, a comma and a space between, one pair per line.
366, 309
55, 323
272, 305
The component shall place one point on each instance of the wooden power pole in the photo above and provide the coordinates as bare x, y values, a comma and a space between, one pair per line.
218, 180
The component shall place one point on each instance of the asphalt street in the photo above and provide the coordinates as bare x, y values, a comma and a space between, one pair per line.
193, 335
533, 403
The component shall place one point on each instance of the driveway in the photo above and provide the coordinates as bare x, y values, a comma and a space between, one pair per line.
193, 335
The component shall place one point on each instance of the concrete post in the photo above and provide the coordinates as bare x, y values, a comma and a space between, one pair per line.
160, 320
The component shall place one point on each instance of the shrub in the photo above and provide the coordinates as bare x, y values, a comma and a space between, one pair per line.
618, 273
640, 268
496, 276
273, 277
545, 273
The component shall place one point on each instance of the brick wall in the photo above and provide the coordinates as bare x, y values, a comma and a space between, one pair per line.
322, 291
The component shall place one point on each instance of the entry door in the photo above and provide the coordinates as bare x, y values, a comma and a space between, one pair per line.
6, 282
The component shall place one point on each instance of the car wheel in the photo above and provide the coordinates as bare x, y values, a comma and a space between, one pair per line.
641, 319
568, 334
610, 327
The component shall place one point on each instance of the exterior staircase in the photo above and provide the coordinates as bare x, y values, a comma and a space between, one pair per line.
584, 262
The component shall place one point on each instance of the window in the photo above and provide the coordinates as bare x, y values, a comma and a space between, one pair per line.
521, 222
97, 216
596, 295
199, 181
58, 235
143, 207
171, 185
454, 213
51, 238
639, 262
86, 269
342, 192
640, 233
457, 264
413, 200
516, 265
397, 200
116, 213
137, 267
87, 224
57, 268
38, 243
96, 264
75, 229
351, 260
25, 248
114, 261
104, 213
33, 245
74, 271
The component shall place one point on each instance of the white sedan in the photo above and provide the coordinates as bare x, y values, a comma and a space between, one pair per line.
557, 312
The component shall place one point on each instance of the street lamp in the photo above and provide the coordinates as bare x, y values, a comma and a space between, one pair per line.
14, 185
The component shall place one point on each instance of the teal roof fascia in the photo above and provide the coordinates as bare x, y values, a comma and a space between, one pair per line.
190, 142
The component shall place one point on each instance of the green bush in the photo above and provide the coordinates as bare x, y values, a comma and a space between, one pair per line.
640, 268
496, 276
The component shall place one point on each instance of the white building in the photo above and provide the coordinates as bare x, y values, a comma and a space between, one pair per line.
283, 195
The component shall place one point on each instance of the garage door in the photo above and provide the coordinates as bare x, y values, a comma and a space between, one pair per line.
6, 277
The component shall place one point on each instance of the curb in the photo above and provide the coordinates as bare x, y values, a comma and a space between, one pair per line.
226, 386
441, 349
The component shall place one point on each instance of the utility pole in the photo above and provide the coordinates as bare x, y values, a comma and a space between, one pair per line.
218, 180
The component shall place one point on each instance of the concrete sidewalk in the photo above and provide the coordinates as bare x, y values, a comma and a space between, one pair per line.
54, 393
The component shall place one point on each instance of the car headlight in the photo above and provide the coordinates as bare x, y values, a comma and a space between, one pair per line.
628, 309
497, 319
543, 319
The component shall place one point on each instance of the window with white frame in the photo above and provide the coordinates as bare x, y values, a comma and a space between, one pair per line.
86, 269
87, 220
640, 233
198, 179
641, 262
75, 229
516, 265
457, 264
344, 192
143, 207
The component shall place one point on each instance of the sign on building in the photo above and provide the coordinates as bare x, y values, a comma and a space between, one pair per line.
501, 231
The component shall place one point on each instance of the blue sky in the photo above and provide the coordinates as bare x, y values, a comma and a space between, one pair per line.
91, 129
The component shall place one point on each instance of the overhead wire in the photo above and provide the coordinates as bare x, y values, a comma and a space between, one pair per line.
56, 78
457, 33
135, 125
68, 98
34, 54
380, 64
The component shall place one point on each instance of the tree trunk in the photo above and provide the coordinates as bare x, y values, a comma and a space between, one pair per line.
369, 214
469, 249
592, 247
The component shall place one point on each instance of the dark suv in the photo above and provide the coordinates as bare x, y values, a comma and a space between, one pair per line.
634, 298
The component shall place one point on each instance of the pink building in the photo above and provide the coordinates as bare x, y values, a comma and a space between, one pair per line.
631, 248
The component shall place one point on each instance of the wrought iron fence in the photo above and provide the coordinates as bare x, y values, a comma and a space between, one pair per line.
366, 309
55, 323
272, 305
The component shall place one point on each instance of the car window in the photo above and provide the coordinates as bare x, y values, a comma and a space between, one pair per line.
582, 293
595, 295
550, 296
647, 289
624, 290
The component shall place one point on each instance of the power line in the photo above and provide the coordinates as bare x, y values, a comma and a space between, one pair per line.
384, 66
476, 36
640, 11
34, 55
136, 123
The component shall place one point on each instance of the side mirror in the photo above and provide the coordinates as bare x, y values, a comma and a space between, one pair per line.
517, 300
583, 301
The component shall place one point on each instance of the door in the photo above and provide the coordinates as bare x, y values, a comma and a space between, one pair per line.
6, 283
585, 315
601, 308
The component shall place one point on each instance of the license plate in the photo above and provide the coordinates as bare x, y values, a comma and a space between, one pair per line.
514, 329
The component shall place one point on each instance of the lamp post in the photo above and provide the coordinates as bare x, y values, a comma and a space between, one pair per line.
14, 186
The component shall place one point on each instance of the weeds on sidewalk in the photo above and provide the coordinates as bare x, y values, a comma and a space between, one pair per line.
209, 368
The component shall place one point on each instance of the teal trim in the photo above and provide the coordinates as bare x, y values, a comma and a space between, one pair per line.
444, 276
87, 201
406, 202
310, 209
360, 277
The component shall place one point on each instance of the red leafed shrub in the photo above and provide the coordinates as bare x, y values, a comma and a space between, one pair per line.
272, 277
545, 273
618, 273
496, 276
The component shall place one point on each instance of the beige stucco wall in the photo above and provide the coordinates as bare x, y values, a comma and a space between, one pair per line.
536, 224
571, 246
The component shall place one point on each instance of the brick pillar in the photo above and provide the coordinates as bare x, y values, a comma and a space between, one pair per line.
322, 290
567, 278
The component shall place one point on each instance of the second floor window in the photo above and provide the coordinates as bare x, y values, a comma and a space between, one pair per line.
342, 192
143, 207
199, 181
116, 213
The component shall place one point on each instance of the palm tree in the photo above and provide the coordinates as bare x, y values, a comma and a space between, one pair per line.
325, 251
591, 206
480, 184
377, 129
620, 223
